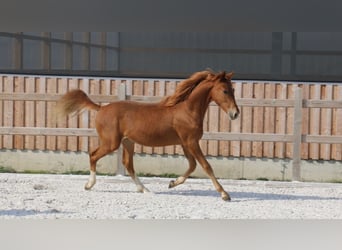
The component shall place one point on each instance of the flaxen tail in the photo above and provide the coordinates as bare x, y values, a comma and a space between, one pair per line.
75, 101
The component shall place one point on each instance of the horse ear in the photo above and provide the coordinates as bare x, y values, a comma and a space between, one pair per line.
229, 75
221, 75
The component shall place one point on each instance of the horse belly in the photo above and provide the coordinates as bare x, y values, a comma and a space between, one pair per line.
154, 137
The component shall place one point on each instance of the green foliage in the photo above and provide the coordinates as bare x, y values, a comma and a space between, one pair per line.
6, 170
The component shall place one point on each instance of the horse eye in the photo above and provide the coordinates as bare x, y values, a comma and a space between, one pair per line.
225, 91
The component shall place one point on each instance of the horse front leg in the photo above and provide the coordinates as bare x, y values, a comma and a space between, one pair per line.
192, 167
196, 151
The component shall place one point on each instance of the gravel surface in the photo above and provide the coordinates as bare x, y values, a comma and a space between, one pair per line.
25, 196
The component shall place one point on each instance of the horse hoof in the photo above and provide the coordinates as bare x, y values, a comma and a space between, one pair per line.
143, 190
172, 184
226, 197
88, 186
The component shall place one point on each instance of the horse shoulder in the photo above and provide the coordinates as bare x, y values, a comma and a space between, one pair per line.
188, 123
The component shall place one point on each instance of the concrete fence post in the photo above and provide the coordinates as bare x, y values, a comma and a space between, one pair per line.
297, 135
120, 167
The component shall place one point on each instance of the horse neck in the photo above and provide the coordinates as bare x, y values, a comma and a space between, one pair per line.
200, 98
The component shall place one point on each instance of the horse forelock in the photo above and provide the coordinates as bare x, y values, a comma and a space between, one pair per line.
185, 88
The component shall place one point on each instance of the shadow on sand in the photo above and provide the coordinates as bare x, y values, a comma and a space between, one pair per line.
27, 212
245, 196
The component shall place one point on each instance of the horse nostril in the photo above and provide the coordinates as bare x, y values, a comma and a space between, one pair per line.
234, 115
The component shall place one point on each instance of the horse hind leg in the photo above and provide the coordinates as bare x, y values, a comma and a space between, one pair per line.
94, 156
127, 160
192, 167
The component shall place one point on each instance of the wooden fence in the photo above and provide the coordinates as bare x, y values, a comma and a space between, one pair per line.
278, 120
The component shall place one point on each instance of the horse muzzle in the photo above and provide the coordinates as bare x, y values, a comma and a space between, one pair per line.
234, 114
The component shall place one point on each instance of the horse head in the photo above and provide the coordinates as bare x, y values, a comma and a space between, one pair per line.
222, 94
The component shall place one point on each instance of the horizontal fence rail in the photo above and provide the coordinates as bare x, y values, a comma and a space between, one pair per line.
206, 135
278, 120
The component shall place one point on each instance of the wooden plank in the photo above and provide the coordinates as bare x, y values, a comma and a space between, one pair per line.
262, 137
247, 119
213, 126
235, 126
297, 135
204, 143
280, 126
323, 103
108, 88
50, 97
269, 127
335, 139
19, 112
326, 122
141, 98
62, 87
252, 102
48, 131
305, 120
28, 97
40, 112
290, 119
258, 119
129, 87
224, 126
115, 85
8, 112
315, 93
30, 113
51, 87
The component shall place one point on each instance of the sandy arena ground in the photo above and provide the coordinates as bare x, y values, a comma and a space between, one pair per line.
24, 196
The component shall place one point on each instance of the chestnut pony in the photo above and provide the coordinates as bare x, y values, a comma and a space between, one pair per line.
176, 120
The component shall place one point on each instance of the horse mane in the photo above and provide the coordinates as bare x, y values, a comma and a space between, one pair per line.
185, 88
